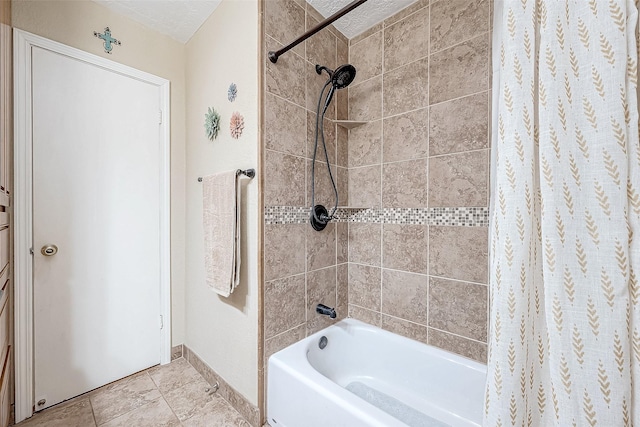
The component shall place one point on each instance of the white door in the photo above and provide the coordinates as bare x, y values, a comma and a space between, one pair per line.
96, 196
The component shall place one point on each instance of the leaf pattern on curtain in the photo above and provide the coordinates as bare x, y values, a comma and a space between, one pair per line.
564, 347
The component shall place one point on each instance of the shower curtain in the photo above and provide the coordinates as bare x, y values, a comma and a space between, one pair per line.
564, 348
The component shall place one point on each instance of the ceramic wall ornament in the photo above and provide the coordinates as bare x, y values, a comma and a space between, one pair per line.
236, 125
232, 92
109, 41
212, 123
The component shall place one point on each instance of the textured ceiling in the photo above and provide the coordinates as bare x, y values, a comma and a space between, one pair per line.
179, 19
361, 19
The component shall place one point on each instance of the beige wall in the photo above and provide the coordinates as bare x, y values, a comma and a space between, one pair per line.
223, 332
73, 23
5, 12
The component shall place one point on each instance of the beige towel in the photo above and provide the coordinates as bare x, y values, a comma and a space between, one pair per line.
221, 220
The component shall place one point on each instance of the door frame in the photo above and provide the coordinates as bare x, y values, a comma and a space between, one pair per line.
23, 211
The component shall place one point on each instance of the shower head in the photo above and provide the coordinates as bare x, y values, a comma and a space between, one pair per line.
338, 79
341, 77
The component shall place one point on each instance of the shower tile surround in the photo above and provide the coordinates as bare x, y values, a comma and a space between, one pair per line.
409, 251
301, 267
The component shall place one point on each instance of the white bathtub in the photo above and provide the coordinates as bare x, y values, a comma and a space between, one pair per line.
394, 382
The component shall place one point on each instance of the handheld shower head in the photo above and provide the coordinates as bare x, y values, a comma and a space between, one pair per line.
340, 78
343, 76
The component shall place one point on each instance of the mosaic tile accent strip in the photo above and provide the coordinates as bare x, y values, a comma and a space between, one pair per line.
286, 214
461, 217
465, 217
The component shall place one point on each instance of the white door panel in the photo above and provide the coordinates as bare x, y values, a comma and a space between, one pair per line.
96, 195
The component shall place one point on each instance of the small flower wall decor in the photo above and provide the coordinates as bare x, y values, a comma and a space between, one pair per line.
212, 123
232, 92
236, 125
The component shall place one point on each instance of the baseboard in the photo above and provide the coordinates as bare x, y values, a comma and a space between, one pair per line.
177, 352
250, 412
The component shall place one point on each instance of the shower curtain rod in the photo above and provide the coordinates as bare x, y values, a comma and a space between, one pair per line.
273, 55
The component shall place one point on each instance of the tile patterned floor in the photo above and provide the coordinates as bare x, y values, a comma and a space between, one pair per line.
164, 396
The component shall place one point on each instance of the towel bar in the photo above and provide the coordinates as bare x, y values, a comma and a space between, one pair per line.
250, 173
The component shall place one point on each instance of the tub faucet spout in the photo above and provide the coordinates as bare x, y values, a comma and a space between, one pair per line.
327, 311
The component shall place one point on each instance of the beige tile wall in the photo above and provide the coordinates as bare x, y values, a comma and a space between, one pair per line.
423, 86
302, 267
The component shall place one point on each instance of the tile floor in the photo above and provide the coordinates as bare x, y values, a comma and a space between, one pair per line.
163, 396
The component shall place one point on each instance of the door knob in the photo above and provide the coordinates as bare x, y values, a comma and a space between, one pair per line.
49, 250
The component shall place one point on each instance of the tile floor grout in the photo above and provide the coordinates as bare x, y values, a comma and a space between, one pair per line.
145, 399
170, 407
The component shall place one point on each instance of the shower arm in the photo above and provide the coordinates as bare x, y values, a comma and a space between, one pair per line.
274, 55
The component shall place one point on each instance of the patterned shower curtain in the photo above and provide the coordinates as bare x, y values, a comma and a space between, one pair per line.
564, 348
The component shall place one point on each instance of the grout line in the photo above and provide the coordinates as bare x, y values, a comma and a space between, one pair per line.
409, 160
428, 284
459, 152
426, 326
488, 178
306, 147
384, 71
323, 268
288, 330
405, 17
365, 308
171, 408
425, 106
422, 58
135, 409
295, 155
182, 386
458, 280
364, 38
381, 197
364, 265
368, 80
287, 100
93, 412
308, 180
393, 270
428, 167
484, 33
428, 248
457, 98
490, 113
459, 336
427, 231
418, 274
335, 235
